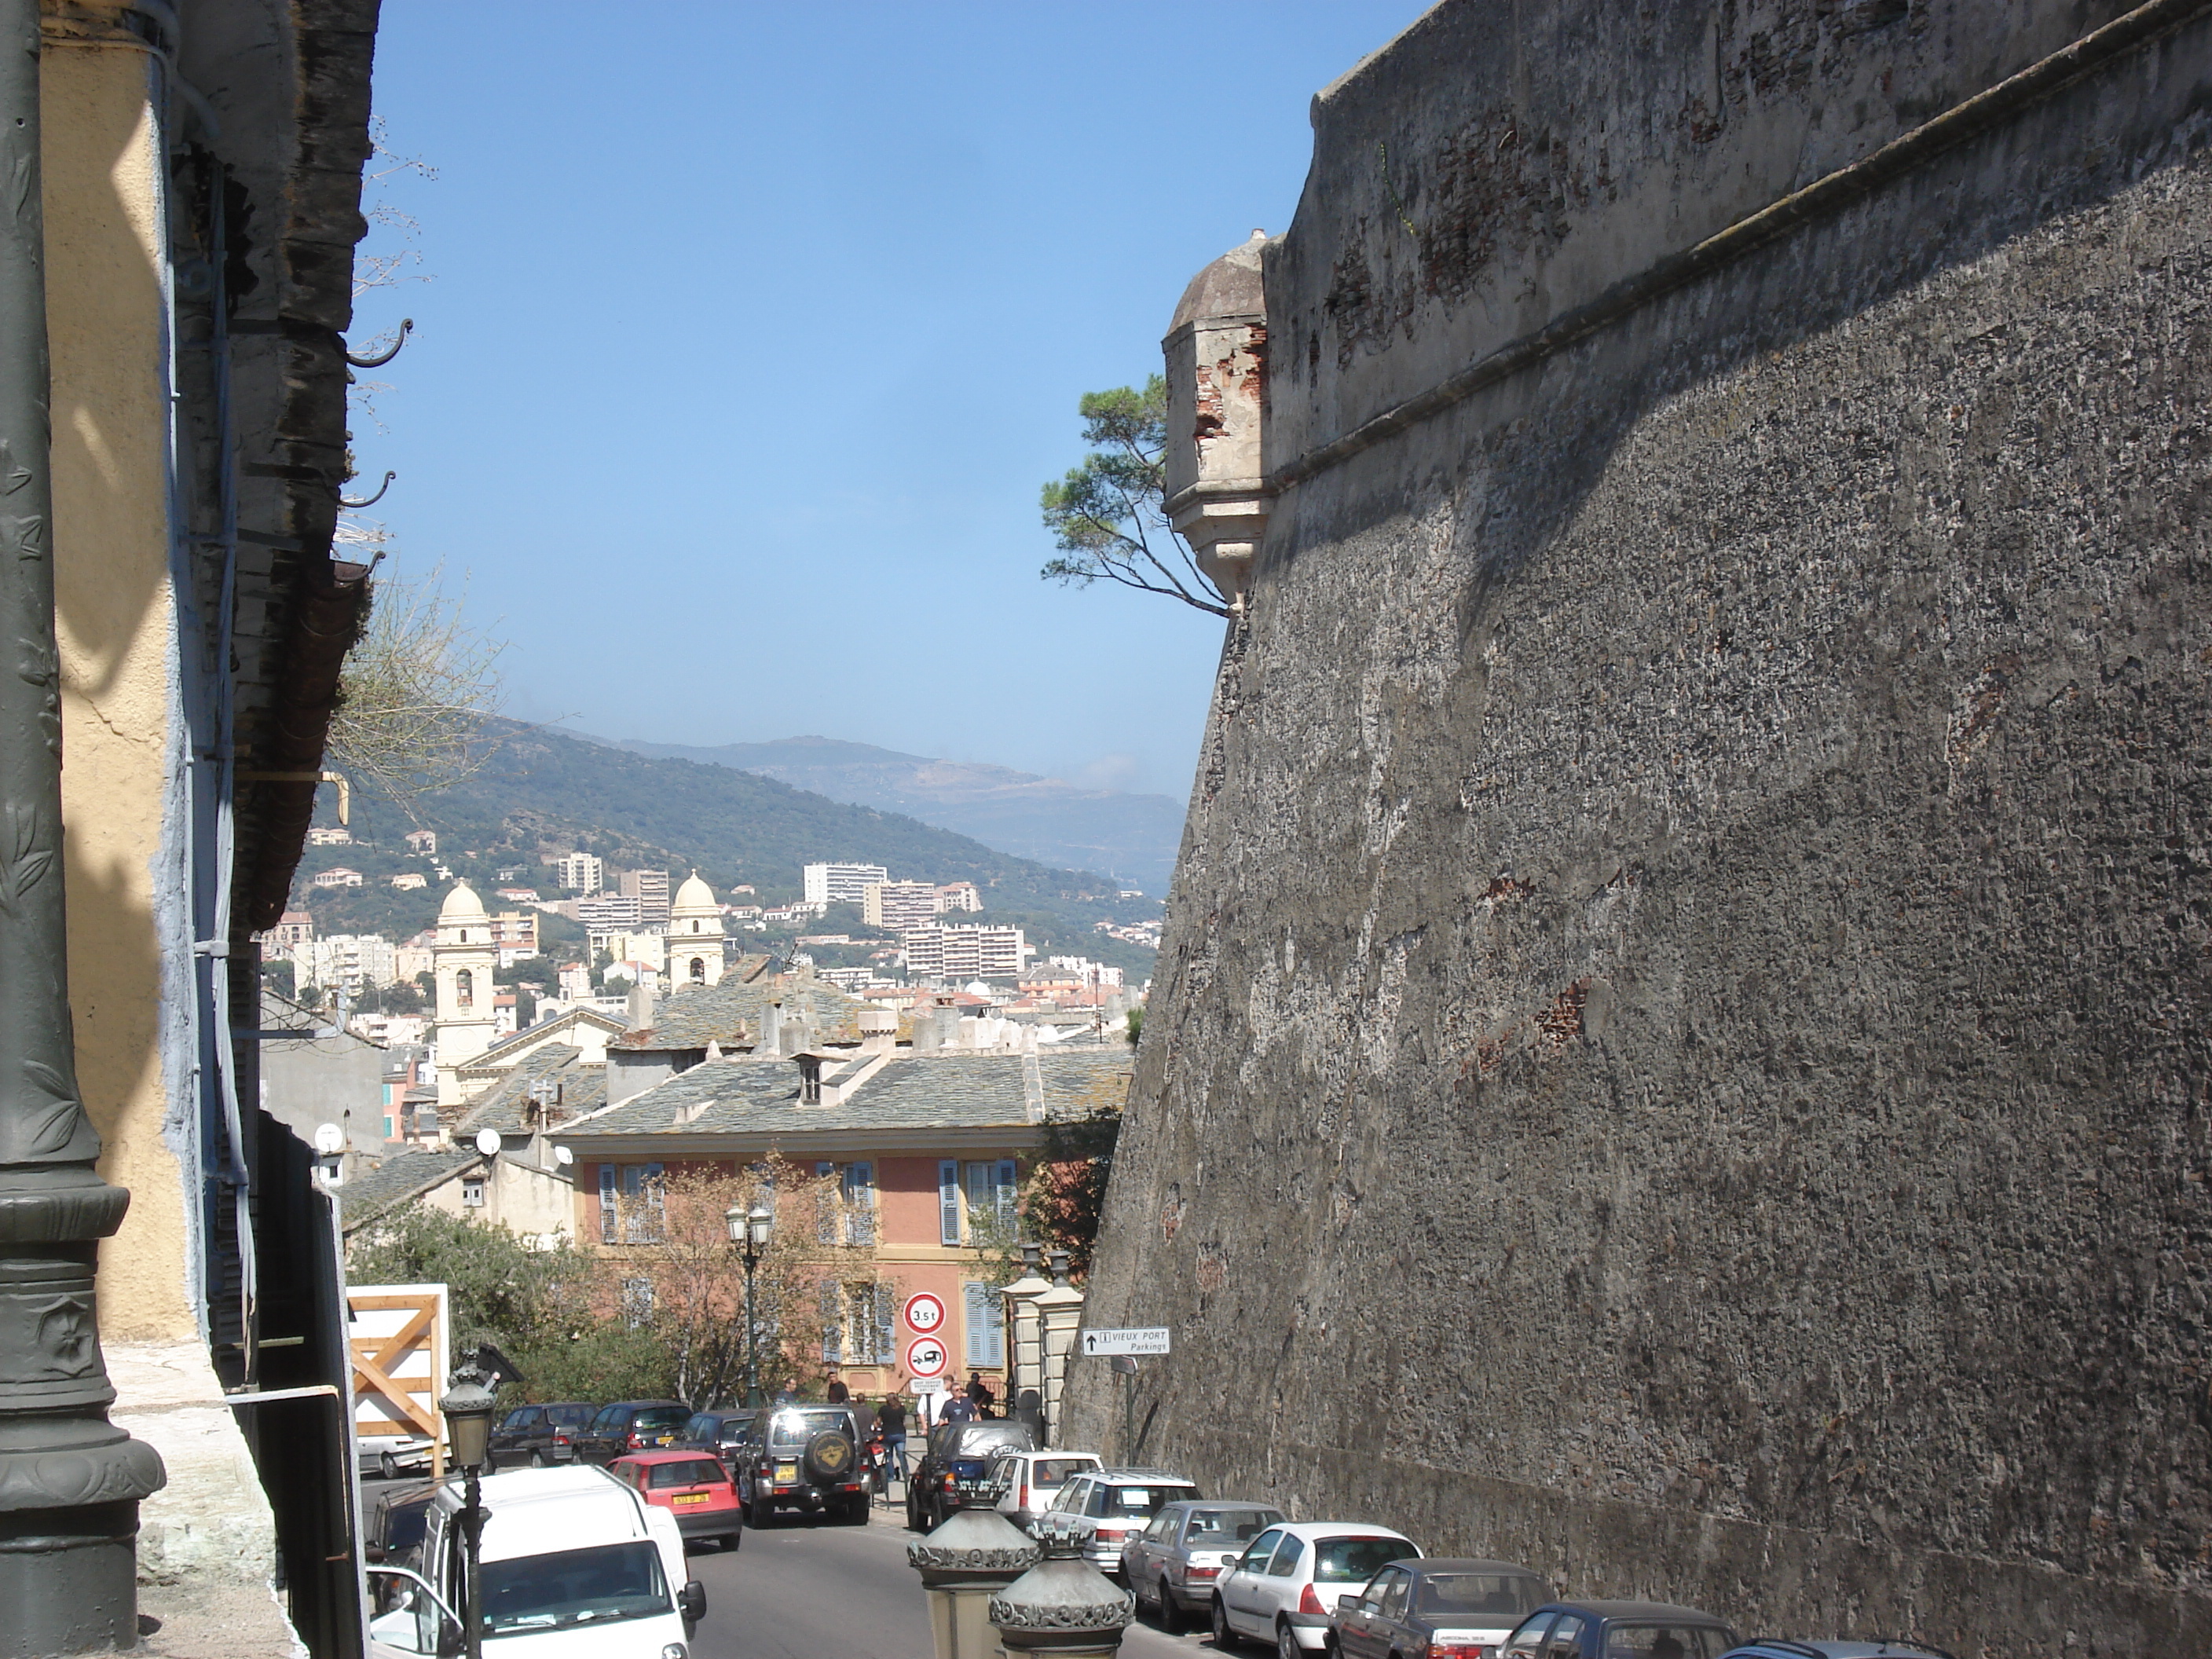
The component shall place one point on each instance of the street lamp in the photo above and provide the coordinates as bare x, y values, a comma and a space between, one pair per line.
750, 1231
467, 1408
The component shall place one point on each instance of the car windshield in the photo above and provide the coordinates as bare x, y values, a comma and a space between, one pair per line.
696, 1472
1221, 1528
1666, 1642
976, 1439
1356, 1561
568, 1417
1058, 1471
660, 1417
1509, 1596
574, 1587
789, 1428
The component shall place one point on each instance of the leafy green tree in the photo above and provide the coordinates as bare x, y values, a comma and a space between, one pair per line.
1108, 515
535, 1304
1062, 1202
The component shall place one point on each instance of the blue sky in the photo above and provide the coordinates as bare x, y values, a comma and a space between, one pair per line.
751, 335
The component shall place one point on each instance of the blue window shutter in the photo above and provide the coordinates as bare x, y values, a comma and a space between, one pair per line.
1007, 1192
886, 1338
825, 1220
948, 1201
860, 1196
972, 1318
606, 1203
833, 1321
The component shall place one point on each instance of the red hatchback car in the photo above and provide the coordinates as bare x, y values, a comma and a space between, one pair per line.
691, 1485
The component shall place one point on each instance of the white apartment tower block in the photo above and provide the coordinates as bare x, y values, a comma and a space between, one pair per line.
842, 884
580, 873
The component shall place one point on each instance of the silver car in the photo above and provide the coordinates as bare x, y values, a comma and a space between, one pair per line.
1174, 1564
1105, 1508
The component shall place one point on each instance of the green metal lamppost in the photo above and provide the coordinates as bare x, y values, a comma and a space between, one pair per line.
71, 1481
467, 1408
751, 1231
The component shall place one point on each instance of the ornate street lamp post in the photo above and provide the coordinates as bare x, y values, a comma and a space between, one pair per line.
751, 1231
71, 1481
467, 1408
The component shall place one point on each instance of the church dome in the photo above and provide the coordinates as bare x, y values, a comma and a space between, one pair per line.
461, 905
695, 897
1228, 288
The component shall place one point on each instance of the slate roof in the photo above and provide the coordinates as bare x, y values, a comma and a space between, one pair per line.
583, 1089
761, 1097
491, 1058
733, 1013
400, 1178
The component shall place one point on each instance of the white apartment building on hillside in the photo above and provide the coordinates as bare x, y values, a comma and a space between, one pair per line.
580, 873
650, 888
966, 952
347, 962
842, 884
899, 905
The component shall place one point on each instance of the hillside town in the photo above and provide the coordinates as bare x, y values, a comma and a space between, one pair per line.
1643, 1103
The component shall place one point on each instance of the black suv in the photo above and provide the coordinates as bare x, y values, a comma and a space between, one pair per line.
800, 1457
958, 1452
538, 1435
719, 1432
629, 1425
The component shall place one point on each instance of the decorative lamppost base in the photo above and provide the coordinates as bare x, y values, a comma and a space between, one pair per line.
69, 1578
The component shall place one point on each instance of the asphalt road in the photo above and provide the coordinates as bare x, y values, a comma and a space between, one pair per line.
807, 1590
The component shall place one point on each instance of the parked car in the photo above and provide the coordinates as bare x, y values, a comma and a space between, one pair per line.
538, 1435
559, 1549
802, 1457
392, 1455
1768, 1647
718, 1432
1108, 1507
693, 1487
1030, 1480
396, 1525
1441, 1608
1617, 1629
629, 1425
1174, 1562
1286, 1585
956, 1452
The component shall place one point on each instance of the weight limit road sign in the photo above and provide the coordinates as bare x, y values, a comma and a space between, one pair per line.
926, 1357
924, 1313
1149, 1339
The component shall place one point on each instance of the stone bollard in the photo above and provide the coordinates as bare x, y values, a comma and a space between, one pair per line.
976, 1554
1063, 1606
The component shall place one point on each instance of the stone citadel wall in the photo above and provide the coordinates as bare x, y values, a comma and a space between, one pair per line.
1680, 1055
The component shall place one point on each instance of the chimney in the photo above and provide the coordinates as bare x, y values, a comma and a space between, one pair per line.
878, 1030
771, 1037
640, 1007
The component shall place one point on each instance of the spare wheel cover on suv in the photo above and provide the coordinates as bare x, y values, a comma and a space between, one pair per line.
829, 1457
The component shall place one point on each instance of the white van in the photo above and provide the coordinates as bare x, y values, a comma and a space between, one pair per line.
574, 1563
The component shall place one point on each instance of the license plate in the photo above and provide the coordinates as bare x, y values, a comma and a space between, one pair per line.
684, 1498
786, 1471
666, 1439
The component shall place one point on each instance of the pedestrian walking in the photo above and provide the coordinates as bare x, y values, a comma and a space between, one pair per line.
958, 1409
890, 1418
979, 1395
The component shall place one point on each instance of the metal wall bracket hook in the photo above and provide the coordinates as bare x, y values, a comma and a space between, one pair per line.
406, 328
369, 501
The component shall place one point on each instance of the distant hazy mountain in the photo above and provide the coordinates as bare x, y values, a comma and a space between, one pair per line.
1053, 823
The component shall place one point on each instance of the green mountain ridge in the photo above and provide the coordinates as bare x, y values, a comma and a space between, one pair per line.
542, 791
